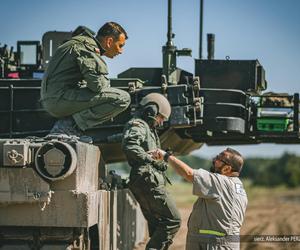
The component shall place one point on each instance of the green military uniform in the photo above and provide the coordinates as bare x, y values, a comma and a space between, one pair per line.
76, 83
147, 183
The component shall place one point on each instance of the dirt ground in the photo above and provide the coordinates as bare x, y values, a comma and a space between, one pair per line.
274, 212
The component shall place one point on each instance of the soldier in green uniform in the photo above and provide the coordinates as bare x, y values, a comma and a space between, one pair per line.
76, 88
147, 176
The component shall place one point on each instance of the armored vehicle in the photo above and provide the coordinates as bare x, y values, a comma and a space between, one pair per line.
53, 197
57, 193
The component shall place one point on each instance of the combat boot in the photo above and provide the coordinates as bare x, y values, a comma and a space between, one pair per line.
68, 126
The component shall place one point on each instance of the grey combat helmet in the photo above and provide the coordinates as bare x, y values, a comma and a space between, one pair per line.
162, 103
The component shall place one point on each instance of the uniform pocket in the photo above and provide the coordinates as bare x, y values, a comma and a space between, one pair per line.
159, 178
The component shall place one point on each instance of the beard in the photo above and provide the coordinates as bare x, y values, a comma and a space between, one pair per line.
212, 169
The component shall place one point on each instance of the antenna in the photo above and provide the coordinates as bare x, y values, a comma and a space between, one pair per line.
201, 29
170, 34
170, 52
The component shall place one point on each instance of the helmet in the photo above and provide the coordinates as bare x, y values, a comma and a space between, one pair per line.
162, 103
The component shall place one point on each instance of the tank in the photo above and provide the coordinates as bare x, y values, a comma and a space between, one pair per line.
57, 193
54, 194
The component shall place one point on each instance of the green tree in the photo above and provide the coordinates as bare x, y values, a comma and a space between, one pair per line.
292, 171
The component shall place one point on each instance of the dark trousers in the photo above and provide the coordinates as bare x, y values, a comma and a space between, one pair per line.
158, 208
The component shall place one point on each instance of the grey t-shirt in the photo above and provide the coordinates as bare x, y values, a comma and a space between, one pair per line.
221, 206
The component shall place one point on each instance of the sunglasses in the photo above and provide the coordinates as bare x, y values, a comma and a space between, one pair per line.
221, 158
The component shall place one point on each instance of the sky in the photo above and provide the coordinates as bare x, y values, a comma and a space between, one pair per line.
267, 30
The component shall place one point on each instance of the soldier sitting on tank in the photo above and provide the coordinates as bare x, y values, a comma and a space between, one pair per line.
76, 88
147, 179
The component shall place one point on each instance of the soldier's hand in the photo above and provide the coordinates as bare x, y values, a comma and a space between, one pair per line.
160, 165
157, 154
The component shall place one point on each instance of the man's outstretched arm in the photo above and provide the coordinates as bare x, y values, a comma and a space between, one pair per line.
180, 167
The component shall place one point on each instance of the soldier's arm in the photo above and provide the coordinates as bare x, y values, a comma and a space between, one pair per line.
134, 136
92, 71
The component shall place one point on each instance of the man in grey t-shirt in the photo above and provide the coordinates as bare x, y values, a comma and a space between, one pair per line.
219, 211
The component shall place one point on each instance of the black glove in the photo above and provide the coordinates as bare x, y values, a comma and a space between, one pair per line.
160, 165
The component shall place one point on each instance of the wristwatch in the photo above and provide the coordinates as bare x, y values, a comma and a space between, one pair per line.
167, 155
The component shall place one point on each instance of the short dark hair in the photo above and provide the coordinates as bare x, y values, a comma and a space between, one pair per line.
111, 29
235, 159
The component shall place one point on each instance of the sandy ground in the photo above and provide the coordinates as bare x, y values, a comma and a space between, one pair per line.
269, 214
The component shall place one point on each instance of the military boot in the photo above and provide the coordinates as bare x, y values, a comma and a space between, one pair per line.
68, 126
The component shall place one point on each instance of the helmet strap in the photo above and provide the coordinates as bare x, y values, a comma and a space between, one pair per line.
149, 113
